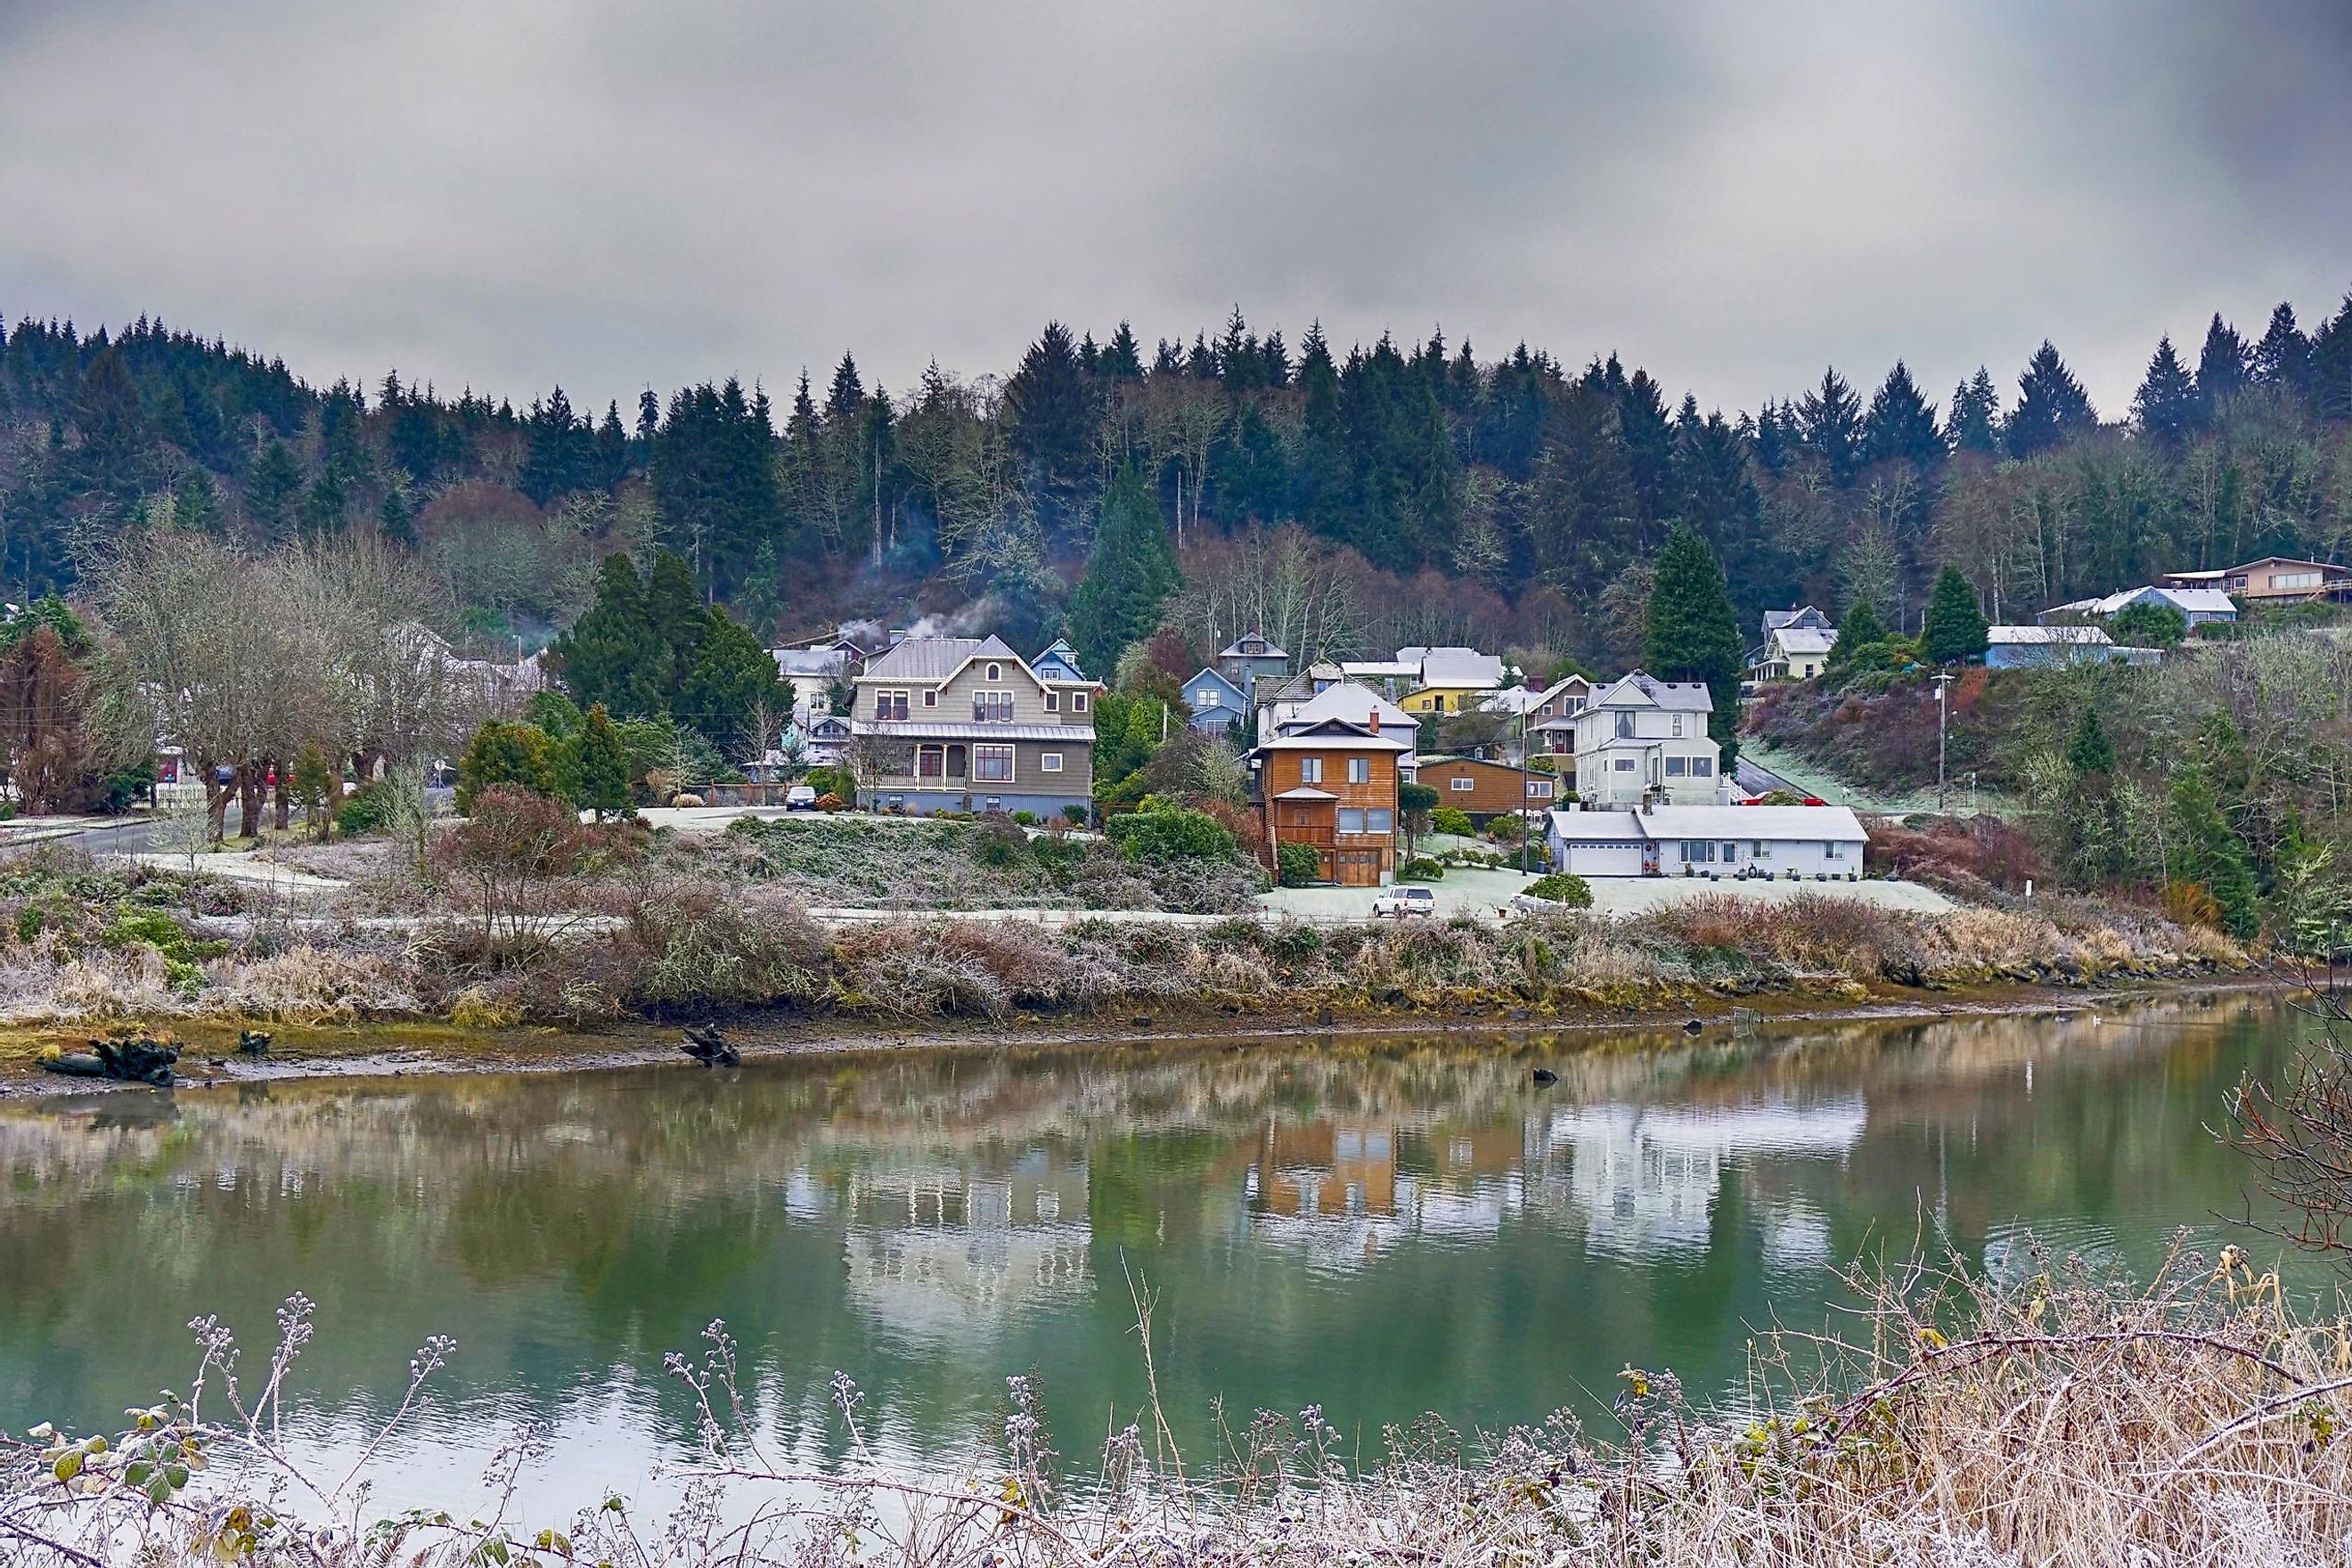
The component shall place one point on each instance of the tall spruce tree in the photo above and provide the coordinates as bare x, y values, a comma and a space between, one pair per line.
2283, 359
2221, 366
1955, 630
1694, 633
1130, 572
2166, 405
600, 766
1859, 630
1829, 420
1974, 423
2052, 405
1050, 413
1900, 426
610, 656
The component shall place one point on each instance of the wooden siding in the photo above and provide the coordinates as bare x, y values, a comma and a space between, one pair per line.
1495, 787
1351, 859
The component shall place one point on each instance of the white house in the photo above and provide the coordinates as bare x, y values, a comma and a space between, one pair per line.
1805, 842
1792, 653
1643, 741
2197, 604
2018, 647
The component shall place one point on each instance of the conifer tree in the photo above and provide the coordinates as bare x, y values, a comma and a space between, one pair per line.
600, 766
1130, 572
2166, 405
1955, 630
2211, 855
611, 656
1829, 420
1694, 633
1858, 629
2090, 753
1901, 424
2221, 366
2052, 405
733, 677
2283, 359
271, 485
1051, 419
113, 429
1974, 423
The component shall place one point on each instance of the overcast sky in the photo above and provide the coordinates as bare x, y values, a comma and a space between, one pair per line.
610, 195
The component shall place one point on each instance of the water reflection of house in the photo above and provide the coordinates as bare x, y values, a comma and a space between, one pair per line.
937, 1251
1644, 1179
1324, 1167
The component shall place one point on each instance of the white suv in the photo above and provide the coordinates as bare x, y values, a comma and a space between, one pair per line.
1403, 901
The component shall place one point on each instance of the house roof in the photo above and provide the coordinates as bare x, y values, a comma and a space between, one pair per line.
1807, 616
1818, 824
1453, 666
1207, 675
1804, 639
1267, 649
936, 658
1336, 738
2044, 636
1307, 792
1640, 690
932, 729
1441, 763
1513, 699
1353, 704
1379, 669
809, 661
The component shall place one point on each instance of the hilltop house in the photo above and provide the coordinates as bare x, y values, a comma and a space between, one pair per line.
1332, 784
2272, 580
1058, 662
1551, 722
1810, 842
1484, 791
1643, 741
967, 724
2019, 647
1218, 706
1253, 659
1796, 649
2196, 605
824, 740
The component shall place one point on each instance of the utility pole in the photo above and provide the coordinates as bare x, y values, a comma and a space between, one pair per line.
1943, 713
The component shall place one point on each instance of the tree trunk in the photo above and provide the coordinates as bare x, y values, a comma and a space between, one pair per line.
285, 804
248, 800
215, 800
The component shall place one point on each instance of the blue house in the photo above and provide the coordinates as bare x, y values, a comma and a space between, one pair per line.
1058, 662
1217, 704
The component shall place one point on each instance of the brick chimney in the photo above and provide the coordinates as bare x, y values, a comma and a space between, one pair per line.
1376, 720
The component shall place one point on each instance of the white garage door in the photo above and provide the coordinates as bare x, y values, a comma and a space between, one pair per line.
1590, 860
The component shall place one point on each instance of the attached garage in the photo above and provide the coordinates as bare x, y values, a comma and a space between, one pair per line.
1596, 843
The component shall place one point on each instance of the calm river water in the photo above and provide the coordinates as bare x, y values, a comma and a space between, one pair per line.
1380, 1227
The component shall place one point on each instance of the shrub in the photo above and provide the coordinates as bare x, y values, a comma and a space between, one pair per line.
999, 842
1420, 868
829, 802
505, 754
1075, 814
706, 945
1170, 833
1025, 818
1561, 887
832, 781
504, 859
1452, 819
1297, 865
364, 810
1506, 829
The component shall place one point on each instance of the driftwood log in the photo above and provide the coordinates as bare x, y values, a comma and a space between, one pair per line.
138, 1061
706, 1045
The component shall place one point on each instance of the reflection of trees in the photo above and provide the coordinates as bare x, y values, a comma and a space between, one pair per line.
1381, 1225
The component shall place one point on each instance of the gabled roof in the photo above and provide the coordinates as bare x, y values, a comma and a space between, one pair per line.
1816, 824
1803, 639
1807, 616
938, 658
2047, 636
1453, 666
1208, 676
1640, 690
1267, 648
809, 661
1355, 704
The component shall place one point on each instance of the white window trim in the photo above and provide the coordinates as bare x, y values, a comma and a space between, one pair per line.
1052, 702
931, 697
1078, 701
983, 696
1049, 761
1462, 782
995, 672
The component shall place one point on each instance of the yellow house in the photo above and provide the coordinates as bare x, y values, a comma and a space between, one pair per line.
1444, 699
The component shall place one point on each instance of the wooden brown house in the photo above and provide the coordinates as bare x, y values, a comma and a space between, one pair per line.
1484, 790
1333, 784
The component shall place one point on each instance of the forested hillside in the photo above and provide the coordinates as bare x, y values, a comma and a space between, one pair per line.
1344, 499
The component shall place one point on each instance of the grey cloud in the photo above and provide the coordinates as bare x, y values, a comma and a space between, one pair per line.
609, 195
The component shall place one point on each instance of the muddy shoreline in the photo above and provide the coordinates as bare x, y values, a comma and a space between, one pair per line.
403, 1048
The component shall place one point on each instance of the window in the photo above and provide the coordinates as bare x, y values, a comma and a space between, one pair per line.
1624, 726
1702, 767
995, 672
1350, 820
1050, 762
1678, 726
991, 765
1761, 850
1462, 782
1623, 765
931, 698
1576, 704
1310, 769
1208, 697
1052, 702
931, 761
1676, 767
991, 708
1730, 853
1360, 769
1832, 851
1380, 819
1078, 701
1539, 789
889, 705
1698, 852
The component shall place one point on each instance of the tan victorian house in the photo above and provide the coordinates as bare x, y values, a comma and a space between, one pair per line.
967, 724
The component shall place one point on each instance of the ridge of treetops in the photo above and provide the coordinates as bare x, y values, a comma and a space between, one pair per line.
1512, 495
